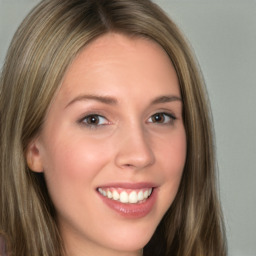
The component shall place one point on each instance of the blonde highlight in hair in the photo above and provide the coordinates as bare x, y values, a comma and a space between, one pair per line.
43, 47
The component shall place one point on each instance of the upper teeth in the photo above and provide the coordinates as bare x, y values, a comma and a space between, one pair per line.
126, 196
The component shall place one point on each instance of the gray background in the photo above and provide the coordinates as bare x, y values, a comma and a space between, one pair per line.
223, 35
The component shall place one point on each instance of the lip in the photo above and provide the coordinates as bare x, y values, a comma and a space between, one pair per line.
138, 210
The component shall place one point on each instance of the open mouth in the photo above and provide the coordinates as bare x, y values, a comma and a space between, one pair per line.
126, 196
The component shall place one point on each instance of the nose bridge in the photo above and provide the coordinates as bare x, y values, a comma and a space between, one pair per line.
134, 149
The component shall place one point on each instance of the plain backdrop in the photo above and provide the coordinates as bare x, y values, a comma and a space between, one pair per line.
223, 36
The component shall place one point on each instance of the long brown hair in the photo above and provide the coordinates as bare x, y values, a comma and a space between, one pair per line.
43, 47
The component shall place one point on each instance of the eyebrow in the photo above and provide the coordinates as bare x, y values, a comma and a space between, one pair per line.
166, 99
104, 99
112, 101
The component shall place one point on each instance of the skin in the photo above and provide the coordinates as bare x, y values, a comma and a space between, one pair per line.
127, 143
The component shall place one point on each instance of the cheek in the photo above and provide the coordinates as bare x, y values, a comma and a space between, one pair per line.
173, 158
72, 165
173, 153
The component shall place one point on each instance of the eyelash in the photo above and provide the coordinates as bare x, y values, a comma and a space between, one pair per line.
168, 119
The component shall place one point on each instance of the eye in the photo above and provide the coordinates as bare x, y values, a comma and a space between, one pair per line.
162, 118
94, 120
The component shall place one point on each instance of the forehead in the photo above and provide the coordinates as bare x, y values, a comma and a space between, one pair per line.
116, 59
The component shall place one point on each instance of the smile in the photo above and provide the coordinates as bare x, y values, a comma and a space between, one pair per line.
126, 196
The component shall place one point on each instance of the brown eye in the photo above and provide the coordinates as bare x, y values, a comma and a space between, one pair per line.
162, 118
94, 120
158, 118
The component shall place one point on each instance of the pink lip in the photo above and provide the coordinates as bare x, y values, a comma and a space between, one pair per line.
131, 210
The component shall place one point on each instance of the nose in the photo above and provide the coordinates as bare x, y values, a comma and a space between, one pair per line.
134, 150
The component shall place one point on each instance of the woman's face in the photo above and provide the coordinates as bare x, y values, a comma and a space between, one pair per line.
113, 146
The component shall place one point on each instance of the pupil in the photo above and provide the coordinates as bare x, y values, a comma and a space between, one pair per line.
93, 120
158, 118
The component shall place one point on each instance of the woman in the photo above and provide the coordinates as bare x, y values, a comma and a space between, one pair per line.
106, 140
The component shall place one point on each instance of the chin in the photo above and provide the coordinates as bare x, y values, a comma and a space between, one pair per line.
131, 239
131, 244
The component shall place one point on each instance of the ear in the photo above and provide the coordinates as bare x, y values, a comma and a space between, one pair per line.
33, 157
